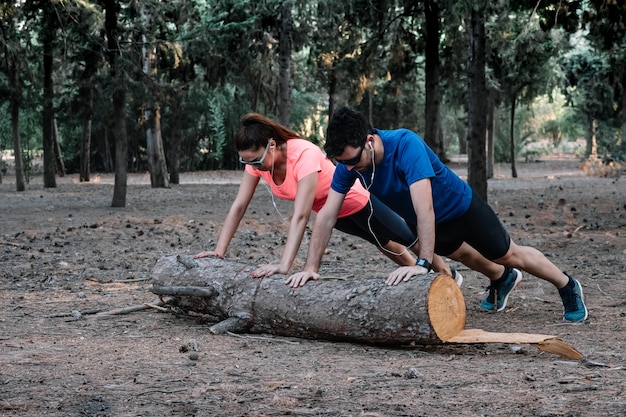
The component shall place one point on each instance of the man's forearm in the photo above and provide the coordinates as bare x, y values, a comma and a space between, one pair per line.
319, 240
426, 234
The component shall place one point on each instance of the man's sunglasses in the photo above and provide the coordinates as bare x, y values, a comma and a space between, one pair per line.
257, 162
355, 160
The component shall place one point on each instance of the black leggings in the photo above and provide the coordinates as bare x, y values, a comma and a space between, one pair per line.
479, 226
383, 225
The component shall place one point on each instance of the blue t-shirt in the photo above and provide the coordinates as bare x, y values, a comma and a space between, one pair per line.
407, 160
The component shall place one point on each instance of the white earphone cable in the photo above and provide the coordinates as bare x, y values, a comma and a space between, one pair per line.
269, 190
371, 213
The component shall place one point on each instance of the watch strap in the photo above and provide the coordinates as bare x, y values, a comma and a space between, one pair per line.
424, 263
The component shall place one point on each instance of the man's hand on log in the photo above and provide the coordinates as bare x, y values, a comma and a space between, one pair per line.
208, 254
267, 270
404, 273
300, 278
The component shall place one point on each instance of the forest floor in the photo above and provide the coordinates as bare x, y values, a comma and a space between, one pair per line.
66, 257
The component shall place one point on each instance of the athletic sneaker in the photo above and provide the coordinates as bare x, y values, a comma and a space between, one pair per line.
458, 278
501, 291
574, 308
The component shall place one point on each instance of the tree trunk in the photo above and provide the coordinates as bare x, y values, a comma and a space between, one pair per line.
60, 165
432, 118
87, 93
512, 138
85, 149
177, 138
20, 183
592, 142
159, 178
623, 144
370, 106
284, 65
121, 144
428, 309
49, 160
461, 133
119, 105
476, 102
491, 127
332, 92
107, 158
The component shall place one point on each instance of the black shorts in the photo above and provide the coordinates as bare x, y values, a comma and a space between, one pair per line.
382, 226
479, 227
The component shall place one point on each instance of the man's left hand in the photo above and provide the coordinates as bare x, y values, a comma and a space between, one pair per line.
404, 273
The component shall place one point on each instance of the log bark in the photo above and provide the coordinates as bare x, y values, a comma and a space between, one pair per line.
425, 310
428, 309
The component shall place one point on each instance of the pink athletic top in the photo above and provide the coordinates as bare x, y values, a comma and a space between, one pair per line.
305, 158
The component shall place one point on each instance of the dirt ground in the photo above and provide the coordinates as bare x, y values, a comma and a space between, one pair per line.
67, 257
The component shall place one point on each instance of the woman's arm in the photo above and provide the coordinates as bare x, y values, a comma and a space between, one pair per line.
234, 216
324, 223
302, 210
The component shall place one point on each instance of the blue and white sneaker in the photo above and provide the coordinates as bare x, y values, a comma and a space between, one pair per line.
574, 308
499, 295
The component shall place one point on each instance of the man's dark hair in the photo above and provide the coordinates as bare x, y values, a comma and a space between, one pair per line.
347, 127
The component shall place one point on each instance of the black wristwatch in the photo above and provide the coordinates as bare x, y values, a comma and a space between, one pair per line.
424, 263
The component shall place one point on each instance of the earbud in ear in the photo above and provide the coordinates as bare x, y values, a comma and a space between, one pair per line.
272, 147
370, 143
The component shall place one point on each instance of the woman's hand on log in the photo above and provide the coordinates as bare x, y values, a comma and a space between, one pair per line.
300, 278
405, 273
208, 254
267, 270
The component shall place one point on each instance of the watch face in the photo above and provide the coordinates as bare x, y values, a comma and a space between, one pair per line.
423, 263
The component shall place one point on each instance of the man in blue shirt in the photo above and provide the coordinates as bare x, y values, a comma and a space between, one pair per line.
451, 220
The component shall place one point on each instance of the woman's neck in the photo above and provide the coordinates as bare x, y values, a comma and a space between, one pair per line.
279, 167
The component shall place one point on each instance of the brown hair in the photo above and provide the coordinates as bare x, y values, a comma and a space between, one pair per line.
256, 130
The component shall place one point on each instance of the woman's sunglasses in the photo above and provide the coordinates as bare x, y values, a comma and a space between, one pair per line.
258, 162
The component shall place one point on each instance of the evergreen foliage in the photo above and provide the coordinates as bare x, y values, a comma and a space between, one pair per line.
218, 59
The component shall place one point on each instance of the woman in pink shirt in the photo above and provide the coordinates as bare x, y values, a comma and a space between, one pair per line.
297, 170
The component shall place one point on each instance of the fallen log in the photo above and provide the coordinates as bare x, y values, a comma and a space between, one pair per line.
428, 309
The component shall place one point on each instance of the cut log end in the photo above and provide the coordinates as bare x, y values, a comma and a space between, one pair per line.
446, 307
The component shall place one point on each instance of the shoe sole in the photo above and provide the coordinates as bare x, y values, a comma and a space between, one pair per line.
518, 281
582, 297
458, 278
